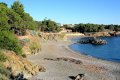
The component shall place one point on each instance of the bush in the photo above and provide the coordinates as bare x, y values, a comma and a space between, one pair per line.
62, 35
24, 55
9, 41
35, 47
48, 26
2, 57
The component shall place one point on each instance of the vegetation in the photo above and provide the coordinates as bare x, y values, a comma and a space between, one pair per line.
93, 27
2, 57
9, 41
88, 28
113, 27
48, 26
4, 73
62, 35
13, 21
25, 21
15, 18
34, 47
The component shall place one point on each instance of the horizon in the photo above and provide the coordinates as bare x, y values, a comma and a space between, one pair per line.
73, 12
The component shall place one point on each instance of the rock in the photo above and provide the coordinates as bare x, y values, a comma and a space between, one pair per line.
65, 59
97, 34
80, 77
96, 41
102, 34
93, 41
117, 33
114, 33
72, 60
78, 62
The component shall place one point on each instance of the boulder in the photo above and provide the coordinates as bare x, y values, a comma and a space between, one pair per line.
93, 41
80, 77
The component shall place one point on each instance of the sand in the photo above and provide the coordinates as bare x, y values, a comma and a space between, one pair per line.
71, 63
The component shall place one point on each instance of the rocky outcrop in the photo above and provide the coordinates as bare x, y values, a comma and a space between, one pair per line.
80, 77
102, 34
97, 34
93, 41
117, 33
114, 33
21, 65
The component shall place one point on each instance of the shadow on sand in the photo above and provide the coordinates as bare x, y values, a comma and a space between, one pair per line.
72, 77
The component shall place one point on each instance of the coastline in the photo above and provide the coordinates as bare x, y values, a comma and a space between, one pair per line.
93, 68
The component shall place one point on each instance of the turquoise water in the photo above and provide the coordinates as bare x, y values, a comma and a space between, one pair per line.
109, 51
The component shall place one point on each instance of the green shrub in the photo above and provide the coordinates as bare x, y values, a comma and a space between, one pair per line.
9, 41
2, 57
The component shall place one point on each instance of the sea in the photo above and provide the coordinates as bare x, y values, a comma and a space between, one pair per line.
109, 51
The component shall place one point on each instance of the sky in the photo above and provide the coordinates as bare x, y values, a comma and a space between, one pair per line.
73, 11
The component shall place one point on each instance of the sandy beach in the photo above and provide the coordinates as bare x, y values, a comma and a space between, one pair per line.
62, 63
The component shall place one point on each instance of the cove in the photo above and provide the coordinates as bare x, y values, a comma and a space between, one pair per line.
109, 51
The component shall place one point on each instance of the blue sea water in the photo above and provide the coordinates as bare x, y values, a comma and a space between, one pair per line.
109, 51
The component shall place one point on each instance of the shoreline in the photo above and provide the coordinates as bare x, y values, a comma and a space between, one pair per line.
89, 56
93, 56
55, 69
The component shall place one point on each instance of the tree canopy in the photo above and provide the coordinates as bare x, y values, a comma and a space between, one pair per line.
13, 20
93, 27
48, 26
18, 8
